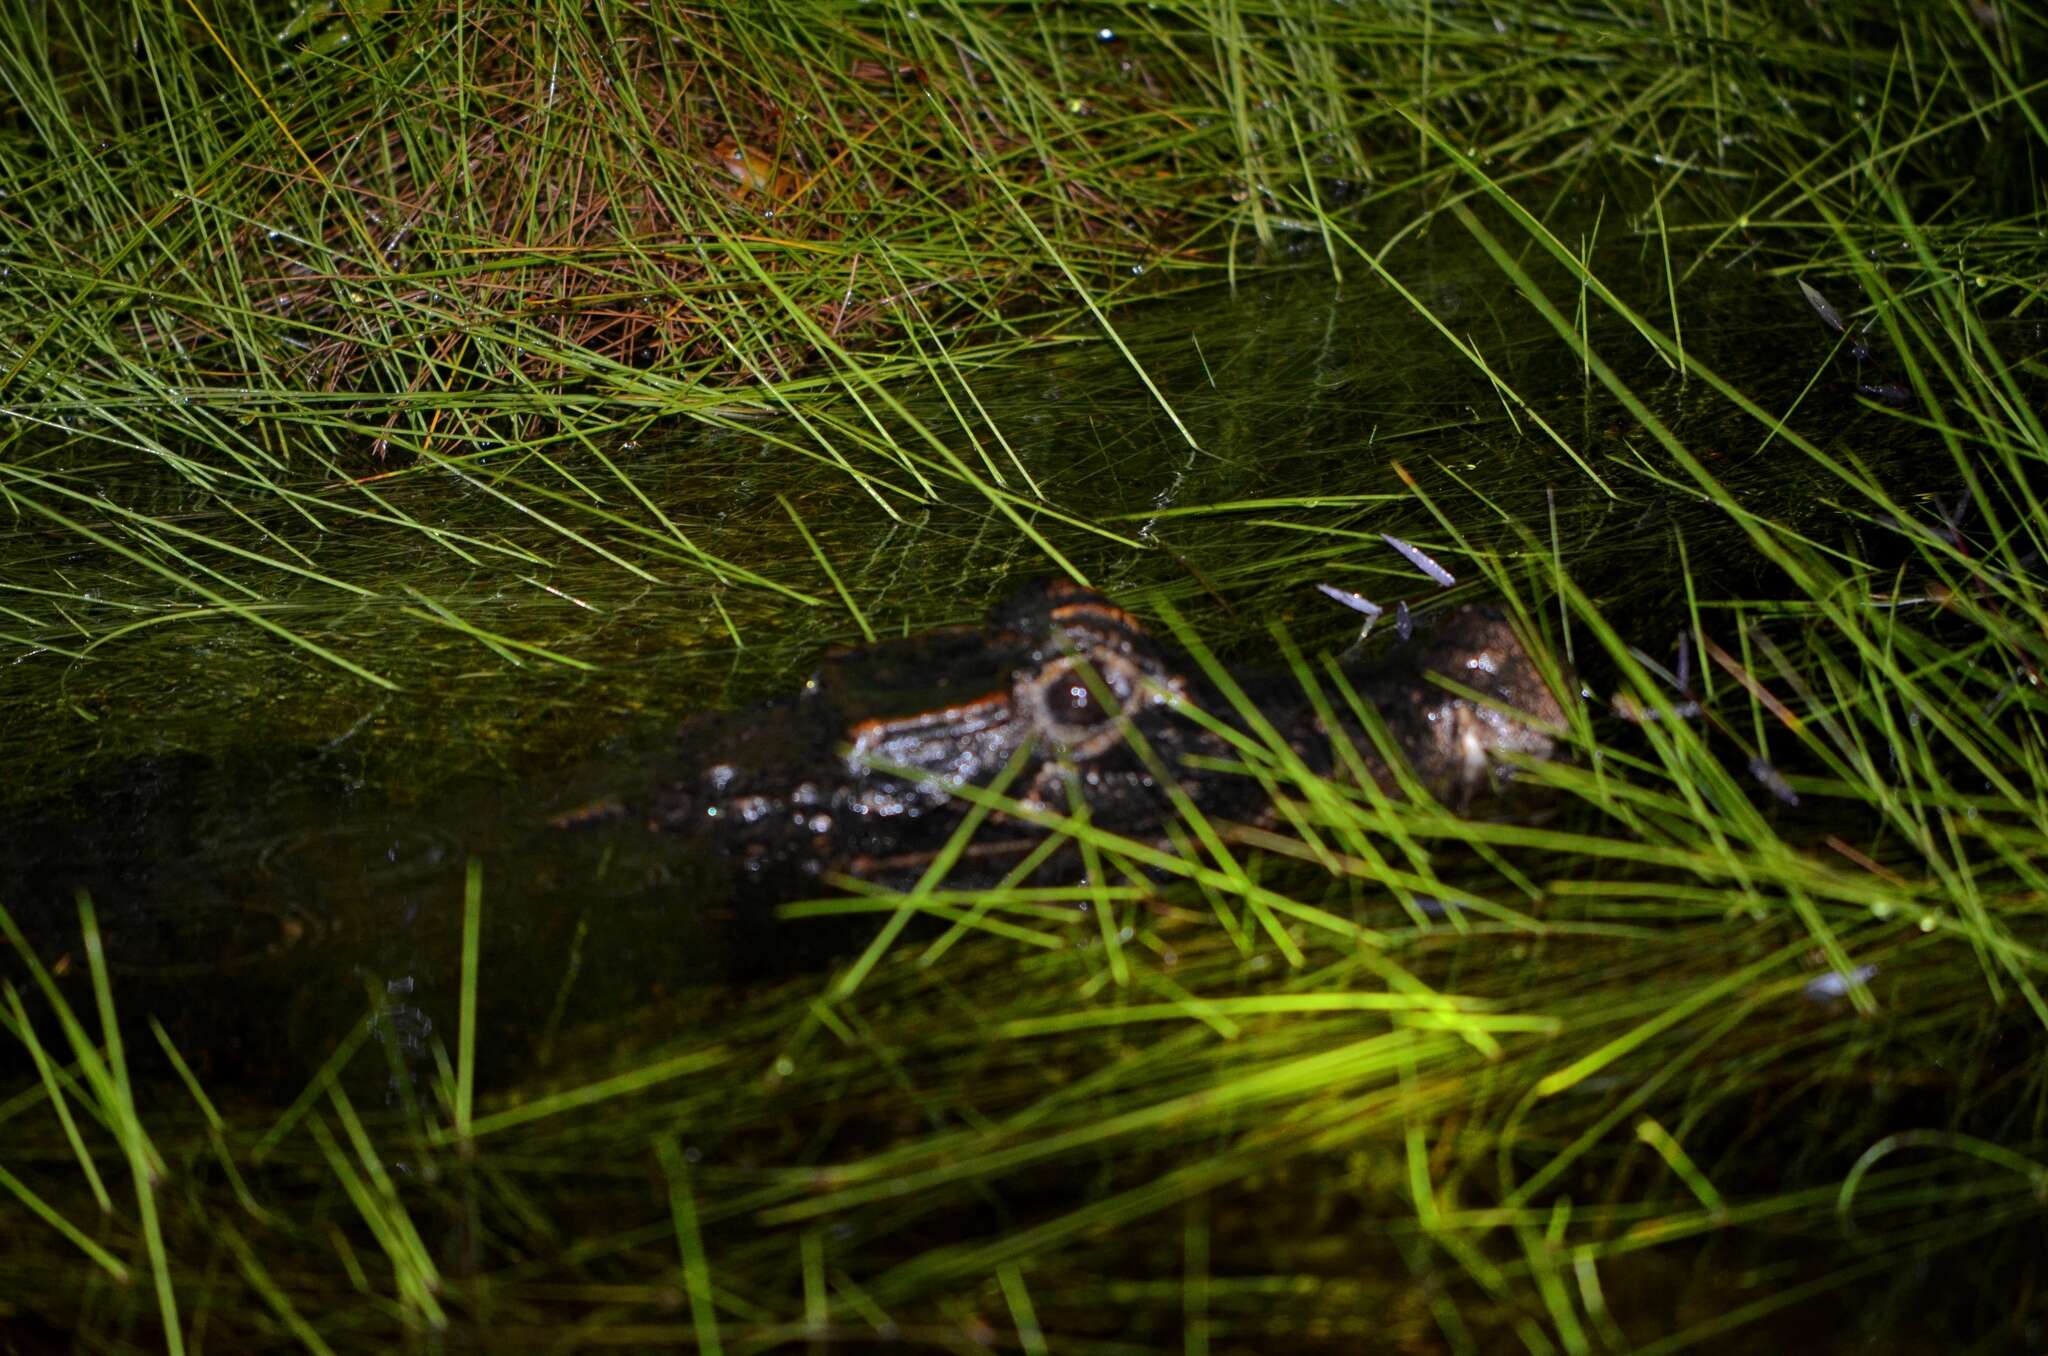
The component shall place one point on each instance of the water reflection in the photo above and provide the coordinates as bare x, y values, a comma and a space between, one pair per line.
261, 929
260, 898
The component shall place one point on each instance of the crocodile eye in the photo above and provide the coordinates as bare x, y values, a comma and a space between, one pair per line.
1071, 703
1078, 718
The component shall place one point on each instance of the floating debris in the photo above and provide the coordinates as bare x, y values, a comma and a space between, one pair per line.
1636, 713
1355, 602
1404, 625
1835, 985
1874, 386
1954, 518
1422, 562
1773, 781
1832, 318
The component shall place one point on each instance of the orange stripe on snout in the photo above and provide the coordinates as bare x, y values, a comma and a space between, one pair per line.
883, 725
1097, 609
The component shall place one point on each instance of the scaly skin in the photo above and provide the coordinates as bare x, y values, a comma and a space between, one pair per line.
856, 772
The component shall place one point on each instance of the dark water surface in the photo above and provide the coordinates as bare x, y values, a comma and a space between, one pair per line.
274, 845
277, 849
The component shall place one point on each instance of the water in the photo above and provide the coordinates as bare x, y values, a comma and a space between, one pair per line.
277, 852
276, 846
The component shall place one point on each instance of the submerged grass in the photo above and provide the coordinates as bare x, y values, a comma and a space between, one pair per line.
1731, 1028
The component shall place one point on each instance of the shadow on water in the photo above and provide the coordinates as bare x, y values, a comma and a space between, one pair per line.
259, 905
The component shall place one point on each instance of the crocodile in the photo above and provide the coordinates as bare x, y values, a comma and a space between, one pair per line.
1064, 704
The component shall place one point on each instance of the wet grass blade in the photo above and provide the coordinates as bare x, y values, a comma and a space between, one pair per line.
465, 1050
144, 1163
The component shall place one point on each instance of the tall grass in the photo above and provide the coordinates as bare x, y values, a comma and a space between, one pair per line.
376, 243
1727, 1031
